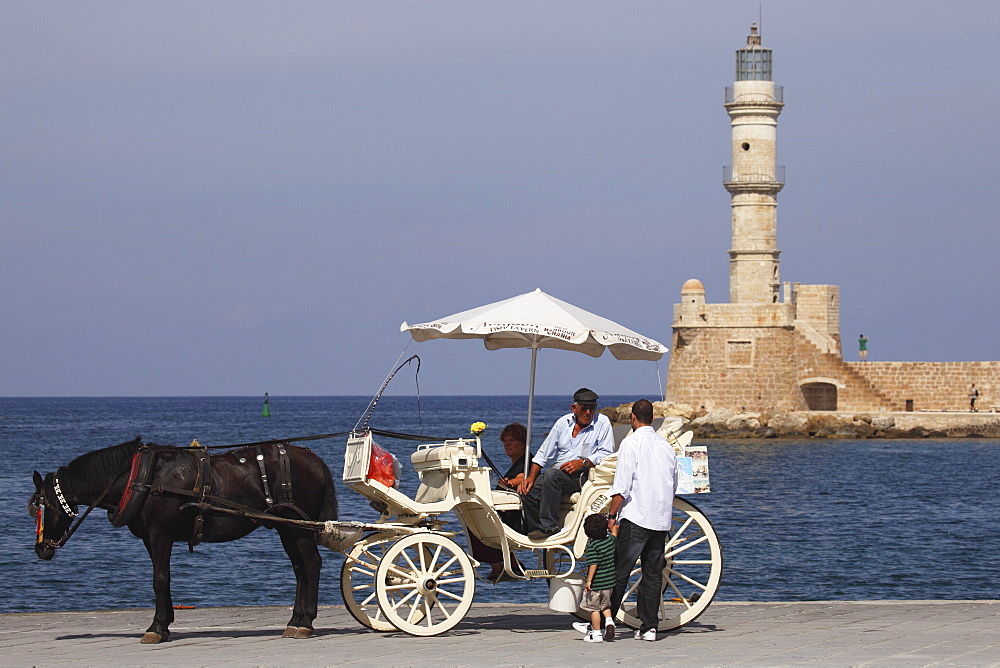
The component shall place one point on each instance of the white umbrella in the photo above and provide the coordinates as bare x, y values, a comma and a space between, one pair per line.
537, 320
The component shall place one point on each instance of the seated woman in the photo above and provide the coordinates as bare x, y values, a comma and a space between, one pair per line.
513, 438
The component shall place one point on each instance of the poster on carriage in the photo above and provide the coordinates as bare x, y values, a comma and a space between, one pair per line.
692, 471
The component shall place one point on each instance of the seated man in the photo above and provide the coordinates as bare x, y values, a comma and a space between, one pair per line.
577, 442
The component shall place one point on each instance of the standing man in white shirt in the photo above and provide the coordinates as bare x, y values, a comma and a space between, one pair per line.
577, 442
642, 500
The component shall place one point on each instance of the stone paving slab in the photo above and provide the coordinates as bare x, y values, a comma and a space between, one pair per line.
812, 633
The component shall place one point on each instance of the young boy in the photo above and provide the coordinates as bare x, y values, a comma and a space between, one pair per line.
600, 557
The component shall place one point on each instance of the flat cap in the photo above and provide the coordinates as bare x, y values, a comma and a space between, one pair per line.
585, 396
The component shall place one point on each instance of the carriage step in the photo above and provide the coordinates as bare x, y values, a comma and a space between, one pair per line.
538, 573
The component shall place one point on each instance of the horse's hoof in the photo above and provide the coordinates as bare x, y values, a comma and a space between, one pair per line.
289, 632
298, 632
152, 638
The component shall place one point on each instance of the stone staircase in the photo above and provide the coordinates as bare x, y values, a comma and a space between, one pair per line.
859, 393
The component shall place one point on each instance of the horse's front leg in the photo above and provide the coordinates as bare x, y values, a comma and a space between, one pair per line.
159, 547
306, 563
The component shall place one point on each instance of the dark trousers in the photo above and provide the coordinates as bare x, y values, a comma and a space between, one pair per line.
541, 504
635, 542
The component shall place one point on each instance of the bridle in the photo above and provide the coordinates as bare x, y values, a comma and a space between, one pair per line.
36, 507
62, 499
39, 501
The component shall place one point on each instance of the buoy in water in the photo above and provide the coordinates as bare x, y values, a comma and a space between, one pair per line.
267, 408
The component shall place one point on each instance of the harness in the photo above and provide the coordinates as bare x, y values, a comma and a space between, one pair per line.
136, 488
139, 487
203, 487
284, 482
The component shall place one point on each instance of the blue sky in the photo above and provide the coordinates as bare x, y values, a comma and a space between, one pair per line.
240, 197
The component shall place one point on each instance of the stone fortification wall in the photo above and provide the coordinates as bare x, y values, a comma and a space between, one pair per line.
787, 357
738, 367
819, 306
933, 386
733, 315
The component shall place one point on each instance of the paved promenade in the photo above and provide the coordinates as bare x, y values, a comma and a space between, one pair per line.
843, 633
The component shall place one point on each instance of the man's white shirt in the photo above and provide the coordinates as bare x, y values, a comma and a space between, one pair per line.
646, 476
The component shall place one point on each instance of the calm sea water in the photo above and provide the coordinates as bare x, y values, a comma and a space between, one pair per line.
798, 520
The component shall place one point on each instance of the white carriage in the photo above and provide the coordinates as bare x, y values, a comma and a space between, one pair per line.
413, 575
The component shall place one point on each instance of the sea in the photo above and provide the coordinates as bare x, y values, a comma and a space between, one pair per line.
798, 519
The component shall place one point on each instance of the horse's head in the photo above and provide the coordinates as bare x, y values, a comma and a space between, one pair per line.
53, 514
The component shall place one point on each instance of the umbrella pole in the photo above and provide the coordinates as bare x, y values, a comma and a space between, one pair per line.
531, 406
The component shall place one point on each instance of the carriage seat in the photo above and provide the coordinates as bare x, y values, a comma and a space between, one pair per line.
435, 464
447, 457
505, 500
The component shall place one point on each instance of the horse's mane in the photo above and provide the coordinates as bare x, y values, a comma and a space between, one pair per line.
99, 466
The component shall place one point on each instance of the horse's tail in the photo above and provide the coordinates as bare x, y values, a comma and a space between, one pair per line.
329, 509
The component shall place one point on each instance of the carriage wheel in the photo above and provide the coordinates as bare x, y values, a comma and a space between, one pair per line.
425, 584
357, 580
691, 575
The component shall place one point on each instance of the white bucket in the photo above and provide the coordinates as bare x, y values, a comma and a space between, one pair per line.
565, 593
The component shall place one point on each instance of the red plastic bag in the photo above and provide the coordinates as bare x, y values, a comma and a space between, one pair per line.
382, 467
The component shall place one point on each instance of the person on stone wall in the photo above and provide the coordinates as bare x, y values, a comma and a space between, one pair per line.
973, 395
577, 442
863, 348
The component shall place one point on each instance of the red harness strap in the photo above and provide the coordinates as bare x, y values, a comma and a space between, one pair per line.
139, 476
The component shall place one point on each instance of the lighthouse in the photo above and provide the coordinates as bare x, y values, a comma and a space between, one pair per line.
754, 178
765, 352
774, 345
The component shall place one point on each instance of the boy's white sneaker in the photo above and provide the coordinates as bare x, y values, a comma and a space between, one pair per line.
648, 635
609, 629
593, 636
582, 627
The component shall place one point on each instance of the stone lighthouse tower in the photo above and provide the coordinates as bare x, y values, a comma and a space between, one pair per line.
767, 348
776, 347
754, 179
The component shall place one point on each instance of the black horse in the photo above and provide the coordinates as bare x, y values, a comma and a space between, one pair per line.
188, 496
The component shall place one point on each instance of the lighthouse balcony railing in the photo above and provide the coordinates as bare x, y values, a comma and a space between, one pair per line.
778, 177
755, 96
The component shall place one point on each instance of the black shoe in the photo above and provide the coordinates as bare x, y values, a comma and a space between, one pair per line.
542, 534
503, 576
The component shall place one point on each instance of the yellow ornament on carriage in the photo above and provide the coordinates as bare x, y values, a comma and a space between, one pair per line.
477, 428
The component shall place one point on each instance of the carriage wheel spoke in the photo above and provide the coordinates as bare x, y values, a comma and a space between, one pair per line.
413, 567
440, 572
427, 612
686, 579
677, 592
686, 546
439, 604
447, 593
402, 600
437, 555
409, 576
